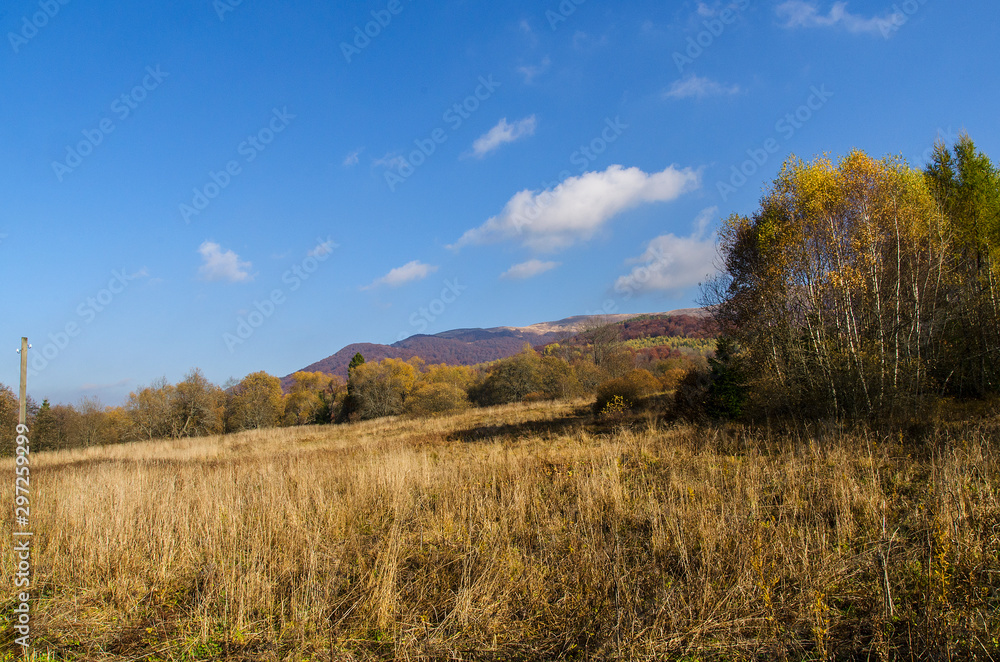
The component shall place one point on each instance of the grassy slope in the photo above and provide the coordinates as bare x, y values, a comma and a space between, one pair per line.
516, 532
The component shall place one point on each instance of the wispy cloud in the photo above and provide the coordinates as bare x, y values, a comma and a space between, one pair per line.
806, 14
528, 32
352, 159
222, 265
533, 71
391, 161
671, 263
699, 87
502, 134
415, 270
578, 207
528, 269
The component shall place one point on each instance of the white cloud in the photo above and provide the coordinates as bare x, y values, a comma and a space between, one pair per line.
324, 248
806, 14
528, 269
528, 32
671, 263
697, 86
219, 265
533, 71
578, 207
503, 133
415, 270
352, 158
583, 41
391, 161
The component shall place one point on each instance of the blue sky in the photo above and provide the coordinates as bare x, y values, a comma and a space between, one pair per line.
245, 186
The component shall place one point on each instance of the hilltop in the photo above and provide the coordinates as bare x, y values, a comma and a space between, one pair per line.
474, 345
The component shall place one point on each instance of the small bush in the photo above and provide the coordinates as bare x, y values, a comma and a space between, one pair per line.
692, 394
615, 409
427, 399
672, 378
630, 389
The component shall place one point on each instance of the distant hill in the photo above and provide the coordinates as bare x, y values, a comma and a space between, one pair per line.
472, 346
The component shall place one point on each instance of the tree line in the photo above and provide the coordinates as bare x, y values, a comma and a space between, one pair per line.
861, 287
194, 407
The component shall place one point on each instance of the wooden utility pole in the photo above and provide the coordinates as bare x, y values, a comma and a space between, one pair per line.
23, 415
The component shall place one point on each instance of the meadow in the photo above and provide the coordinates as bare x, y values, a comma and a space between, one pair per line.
525, 532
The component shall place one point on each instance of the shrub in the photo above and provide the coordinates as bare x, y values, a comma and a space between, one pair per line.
510, 380
671, 378
589, 376
691, 395
630, 389
429, 398
558, 380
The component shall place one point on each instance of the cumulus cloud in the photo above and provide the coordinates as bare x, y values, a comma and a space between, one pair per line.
806, 14
528, 269
502, 134
697, 86
577, 208
415, 270
222, 265
670, 263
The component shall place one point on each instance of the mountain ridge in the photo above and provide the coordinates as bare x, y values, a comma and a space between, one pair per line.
469, 346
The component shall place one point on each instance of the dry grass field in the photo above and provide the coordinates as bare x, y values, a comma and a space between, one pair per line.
521, 532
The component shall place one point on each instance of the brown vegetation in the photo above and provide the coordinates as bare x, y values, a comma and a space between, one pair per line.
518, 532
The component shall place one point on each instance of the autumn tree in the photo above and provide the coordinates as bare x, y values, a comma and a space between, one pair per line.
256, 402
8, 419
832, 288
65, 427
93, 424
608, 351
150, 410
196, 407
380, 389
510, 380
310, 398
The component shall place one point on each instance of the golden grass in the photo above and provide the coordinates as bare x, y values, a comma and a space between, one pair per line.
396, 539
